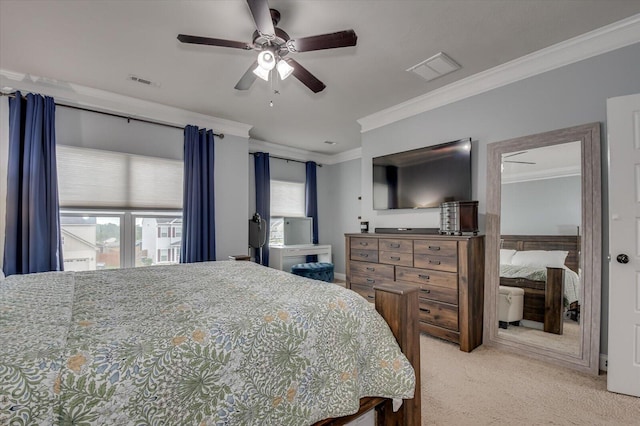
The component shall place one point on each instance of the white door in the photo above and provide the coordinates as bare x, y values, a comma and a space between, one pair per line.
623, 122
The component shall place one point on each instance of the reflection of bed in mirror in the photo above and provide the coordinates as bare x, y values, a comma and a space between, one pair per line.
537, 264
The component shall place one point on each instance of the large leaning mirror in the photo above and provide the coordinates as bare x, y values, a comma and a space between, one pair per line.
543, 270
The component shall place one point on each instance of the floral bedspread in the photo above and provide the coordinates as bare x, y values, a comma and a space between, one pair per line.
210, 343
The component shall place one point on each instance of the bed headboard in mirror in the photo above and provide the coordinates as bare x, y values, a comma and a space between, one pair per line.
570, 243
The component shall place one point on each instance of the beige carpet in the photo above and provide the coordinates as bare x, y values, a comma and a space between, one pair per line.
492, 387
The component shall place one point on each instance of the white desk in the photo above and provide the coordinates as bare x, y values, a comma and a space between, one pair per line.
283, 257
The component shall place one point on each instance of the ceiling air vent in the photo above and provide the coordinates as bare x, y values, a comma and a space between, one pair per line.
434, 67
143, 81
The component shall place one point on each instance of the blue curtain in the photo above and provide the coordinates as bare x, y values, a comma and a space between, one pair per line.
263, 199
311, 202
32, 240
199, 208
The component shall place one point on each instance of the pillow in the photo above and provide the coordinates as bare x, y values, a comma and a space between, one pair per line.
541, 258
506, 255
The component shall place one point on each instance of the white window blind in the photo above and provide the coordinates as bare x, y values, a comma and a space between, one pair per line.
287, 199
96, 178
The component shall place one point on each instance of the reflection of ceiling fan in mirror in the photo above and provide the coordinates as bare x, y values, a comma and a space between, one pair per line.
273, 44
515, 161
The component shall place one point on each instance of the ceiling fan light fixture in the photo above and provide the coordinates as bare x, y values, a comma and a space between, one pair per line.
284, 69
262, 73
267, 60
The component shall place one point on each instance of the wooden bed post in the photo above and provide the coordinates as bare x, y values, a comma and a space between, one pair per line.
554, 301
398, 305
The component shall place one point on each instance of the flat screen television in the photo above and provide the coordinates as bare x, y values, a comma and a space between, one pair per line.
423, 177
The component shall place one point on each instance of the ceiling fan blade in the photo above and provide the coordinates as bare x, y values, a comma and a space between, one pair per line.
305, 76
519, 162
248, 78
261, 16
184, 38
323, 41
514, 154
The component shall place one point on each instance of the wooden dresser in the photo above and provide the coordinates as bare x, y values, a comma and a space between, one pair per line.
449, 270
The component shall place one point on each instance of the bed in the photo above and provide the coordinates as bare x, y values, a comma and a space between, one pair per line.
208, 343
549, 290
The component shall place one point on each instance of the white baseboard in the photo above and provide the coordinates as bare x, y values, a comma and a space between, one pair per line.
340, 276
603, 362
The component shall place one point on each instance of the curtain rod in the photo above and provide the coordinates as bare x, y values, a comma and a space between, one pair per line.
111, 114
287, 159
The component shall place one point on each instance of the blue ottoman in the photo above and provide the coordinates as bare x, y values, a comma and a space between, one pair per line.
322, 271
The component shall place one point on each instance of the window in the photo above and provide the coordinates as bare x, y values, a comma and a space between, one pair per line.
90, 242
287, 200
117, 209
157, 244
106, 240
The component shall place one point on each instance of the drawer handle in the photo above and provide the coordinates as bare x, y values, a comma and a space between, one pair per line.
426, 290
364, 255
394, 245
369, 268
395, 258
364, 243
434, 262
369, 280
424, 277
428, 311
434, 248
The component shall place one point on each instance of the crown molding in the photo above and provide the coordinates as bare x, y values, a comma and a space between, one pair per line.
256, 145
341, 157
614, 36
82, 96
558, 172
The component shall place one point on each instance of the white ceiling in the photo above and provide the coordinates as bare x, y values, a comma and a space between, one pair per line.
99, 43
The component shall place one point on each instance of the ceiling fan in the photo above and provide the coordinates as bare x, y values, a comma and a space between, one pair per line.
273, 45
514, 161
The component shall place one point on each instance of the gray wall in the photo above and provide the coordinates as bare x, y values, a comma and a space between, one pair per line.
568, 96
541, 207
97, 131
338, 206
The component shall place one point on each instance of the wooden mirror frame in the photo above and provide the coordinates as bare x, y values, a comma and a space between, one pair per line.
588, 358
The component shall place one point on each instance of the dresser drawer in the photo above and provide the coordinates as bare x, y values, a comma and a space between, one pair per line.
435, 293
399, 246
364, 255
428, 276
395, 258
365, 291
369, 280
364, 243
439, 263
372, 270
436, 248
440, 314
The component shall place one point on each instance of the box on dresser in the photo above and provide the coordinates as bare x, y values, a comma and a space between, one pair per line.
448, 270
